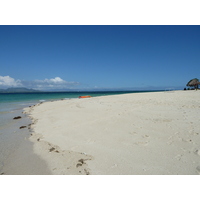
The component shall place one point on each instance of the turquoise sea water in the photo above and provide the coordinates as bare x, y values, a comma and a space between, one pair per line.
10, 102
13, 101
21, 97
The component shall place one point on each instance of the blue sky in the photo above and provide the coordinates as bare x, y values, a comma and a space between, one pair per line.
99, 57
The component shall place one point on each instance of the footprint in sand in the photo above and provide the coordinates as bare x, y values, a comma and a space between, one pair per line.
198, 169
178, 157
53, 149
133, 133
142, 143
79, 106
197, 151
80, 162
115, 165
90, 141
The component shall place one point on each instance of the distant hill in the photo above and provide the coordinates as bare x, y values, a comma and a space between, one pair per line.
18, 90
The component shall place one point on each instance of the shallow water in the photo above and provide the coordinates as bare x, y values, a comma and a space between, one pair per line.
11, 102
16, 151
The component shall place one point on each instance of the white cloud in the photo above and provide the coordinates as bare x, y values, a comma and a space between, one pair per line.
56, 83
7, 81
53, 83
56, 80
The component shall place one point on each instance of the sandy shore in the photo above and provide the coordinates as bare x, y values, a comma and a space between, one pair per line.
141, 133
16, 151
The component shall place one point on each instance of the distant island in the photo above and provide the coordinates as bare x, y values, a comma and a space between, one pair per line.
18, 90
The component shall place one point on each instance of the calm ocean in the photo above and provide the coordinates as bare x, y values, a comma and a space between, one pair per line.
10, 101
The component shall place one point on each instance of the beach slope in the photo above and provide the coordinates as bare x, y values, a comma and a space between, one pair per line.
129, 134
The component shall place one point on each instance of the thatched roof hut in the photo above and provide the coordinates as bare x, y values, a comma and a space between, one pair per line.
193, 83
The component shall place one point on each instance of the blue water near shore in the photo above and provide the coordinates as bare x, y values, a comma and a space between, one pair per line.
26, 97
10, 102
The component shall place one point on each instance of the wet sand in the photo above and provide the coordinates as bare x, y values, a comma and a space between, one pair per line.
142, 133
16, 150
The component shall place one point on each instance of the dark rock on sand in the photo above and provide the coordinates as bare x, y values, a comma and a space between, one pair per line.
79, 164
22, 127
52, 149
81, 161
18, 117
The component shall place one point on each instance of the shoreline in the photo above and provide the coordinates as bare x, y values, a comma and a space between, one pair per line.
129, 134
59, 161
17, 156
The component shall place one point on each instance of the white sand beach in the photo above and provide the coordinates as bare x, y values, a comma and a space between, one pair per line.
129, 134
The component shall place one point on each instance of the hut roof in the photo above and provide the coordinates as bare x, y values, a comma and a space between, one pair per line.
193, 82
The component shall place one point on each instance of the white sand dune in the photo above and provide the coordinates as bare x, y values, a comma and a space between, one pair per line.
141, 133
